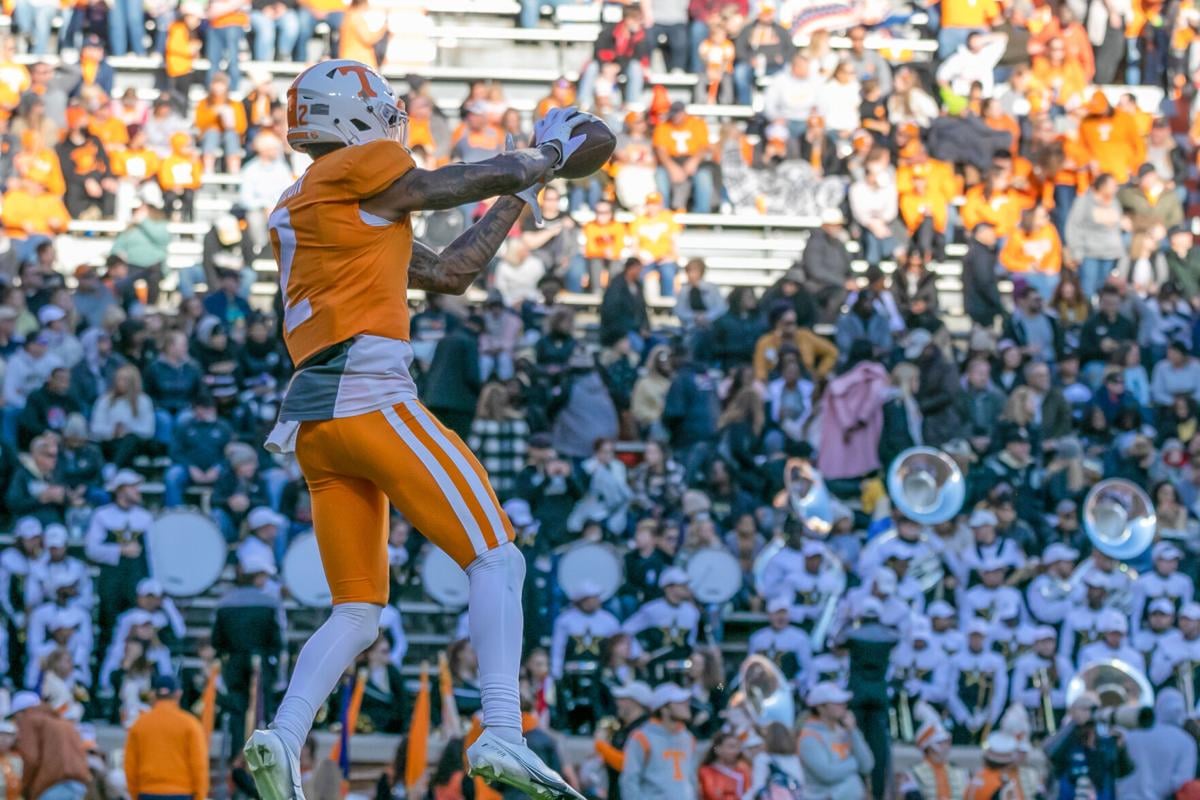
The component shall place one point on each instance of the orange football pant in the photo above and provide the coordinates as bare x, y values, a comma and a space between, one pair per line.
356, 465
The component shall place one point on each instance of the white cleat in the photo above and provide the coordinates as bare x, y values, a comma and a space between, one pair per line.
498, 761
276, 771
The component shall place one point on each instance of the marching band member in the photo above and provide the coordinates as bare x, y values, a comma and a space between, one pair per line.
579, 630
909, 541
1160, 625
1178, 649
832, 666
982, 599
1004, 631
786, 645
999, 776
919, 667
665, 628
1049, 594
38, 588
1112, 644
944, 634
1041, 671
977, 686
900, 558
810, 583
882, 587
1079, 628
1165, 580
987, 542
798, 564
1116, 580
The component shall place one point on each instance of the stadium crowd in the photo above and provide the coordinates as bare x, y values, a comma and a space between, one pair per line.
127, 390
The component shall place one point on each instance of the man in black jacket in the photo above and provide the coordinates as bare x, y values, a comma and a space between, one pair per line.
621, 49
451, 386
826, 265
1037, 333
939, 390
1104, 331
48, 407
981, 296
623, 309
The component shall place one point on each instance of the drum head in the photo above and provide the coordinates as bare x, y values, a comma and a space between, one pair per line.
590, 563
714, 575
303, 574
187, 552
444, 579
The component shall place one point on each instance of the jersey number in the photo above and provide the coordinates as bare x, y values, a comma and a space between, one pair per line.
283, 238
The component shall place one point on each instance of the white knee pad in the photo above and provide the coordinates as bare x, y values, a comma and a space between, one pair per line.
360, 621
505, 560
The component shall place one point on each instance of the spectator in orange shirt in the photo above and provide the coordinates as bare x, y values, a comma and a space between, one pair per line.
1034, 252
31, 215
603, 244
39, 162
924, 212
221, 123
137, 162
363, 34
655, 233
1064, 77
562, 95
182, 46
992, 202
962, 17
717, 54
1111, 140
179, 176
684, 169
111, 131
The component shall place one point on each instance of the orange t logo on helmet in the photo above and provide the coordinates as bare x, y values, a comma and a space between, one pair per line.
361, 71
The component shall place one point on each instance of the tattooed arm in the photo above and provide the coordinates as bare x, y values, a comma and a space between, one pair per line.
454, 269
459, 184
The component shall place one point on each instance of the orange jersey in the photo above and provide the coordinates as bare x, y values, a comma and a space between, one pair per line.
969, 13
138, 164
42, 166
178, 172
604, 240
655, 236
344, 273
179, 50
1039, 251
1002, 210
26, 214
1113, 143
688, 139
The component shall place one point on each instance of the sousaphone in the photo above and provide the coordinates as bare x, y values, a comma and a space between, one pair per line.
1119, 519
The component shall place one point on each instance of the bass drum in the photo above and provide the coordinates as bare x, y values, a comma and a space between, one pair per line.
590, 563
714, 575
303, 574
444, 579
187, 552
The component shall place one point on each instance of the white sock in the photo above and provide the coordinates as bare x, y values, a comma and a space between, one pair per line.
496, 623
350, 629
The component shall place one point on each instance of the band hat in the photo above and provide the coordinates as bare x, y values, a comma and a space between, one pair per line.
262, 516
1000, 748
1162, 605
1190, 611
1060, 552
1112, 621
583, 591
940, 609
124, 477
28, 528
1095, 579
779, 603
981, 517
255, 563
977, 627
55, 535
931, 733
672, 576
1166, 551
150, 587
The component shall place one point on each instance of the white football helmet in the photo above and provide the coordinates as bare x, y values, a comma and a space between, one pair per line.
342, 102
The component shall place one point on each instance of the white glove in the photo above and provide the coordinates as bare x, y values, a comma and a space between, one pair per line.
530, 193
555, 129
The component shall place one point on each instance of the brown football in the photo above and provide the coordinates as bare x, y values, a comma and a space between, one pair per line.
593, 153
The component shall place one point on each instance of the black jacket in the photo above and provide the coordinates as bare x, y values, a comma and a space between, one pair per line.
622, 311
981, 296
826, 262
734, 336
937, 397
452, 382
44, 411
1098, 328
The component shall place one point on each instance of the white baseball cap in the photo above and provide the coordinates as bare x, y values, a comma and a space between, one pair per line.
672, 576
1112, 621
124, 477
779, 603
827, 692
1162, 605
262, 516
667, 693
1190, 611
55, 535
28, 528
23, 701
150, 587
1060, 552
50, 313
981, 517
583, 591
1166, 551
254, 563
637, 691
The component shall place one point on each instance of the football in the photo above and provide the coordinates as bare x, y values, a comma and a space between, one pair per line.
593, 153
